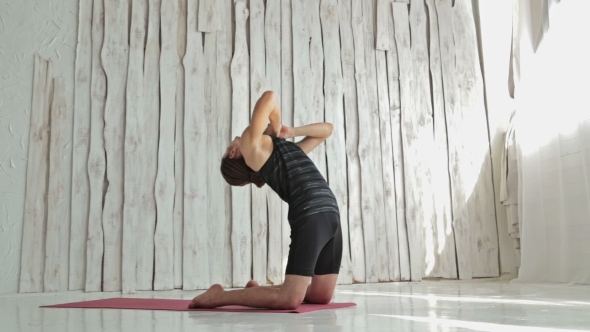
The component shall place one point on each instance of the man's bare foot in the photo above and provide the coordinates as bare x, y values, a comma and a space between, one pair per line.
210, 299
252, 283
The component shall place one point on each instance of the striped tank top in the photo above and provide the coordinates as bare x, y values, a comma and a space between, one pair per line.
295, 178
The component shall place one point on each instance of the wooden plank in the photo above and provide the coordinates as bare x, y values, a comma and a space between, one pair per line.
57, 244
195, 248
96, 156
425, 225
446, 263
115, 58
257, 87
385, 131
393, 76
224, 93
81, 140
301, 68
370, 152
242, 235
165, 185
286, 107
34, 222
336, 146
215, 190
179, 148
498, 39
368, 205
452, 111
132, 205
150, 127
398, 162
417, 136
348, 56
209, 20
460, 220
316, 60
272, 33
422, 98
476, 153
412, 139
384, 26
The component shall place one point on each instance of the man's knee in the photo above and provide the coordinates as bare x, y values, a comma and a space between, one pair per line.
319, 297
292, 292
289, 303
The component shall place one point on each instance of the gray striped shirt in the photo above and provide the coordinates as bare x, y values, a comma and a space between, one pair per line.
295, 178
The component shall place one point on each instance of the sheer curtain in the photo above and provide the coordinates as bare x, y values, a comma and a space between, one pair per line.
551, 55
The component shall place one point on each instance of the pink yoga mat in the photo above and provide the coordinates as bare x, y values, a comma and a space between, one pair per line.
182, 305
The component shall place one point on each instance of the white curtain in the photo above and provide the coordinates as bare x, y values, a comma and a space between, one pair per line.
552, 97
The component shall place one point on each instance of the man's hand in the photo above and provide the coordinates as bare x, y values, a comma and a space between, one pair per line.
272, 131
286, 132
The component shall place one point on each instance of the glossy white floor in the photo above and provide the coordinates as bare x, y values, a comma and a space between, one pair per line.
481, 305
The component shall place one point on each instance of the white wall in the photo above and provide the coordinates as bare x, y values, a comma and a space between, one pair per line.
26, 27
52, 29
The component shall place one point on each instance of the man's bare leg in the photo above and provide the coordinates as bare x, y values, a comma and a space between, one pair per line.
288, 296
320, 291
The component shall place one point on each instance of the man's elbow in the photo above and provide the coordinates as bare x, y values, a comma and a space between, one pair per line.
269, 96
329, 129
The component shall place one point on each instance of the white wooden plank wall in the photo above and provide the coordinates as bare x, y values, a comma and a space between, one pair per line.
96, 157
115, 58
334, 110
165, 183
133, 136
57, 238
272, 39
414, 188
179, 146
81, 148
35, 222
257, 87
243, 235
194, 243
149, 147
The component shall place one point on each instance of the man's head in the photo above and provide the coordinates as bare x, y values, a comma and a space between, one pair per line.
234, 168
233, 150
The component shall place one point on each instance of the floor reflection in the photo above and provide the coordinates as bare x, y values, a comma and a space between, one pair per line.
426, 306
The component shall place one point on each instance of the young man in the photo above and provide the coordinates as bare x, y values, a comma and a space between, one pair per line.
262, 155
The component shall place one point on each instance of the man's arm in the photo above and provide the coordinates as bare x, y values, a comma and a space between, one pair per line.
314, 134
266, 109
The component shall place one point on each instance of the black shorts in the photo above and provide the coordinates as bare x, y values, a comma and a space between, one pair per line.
316, 245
